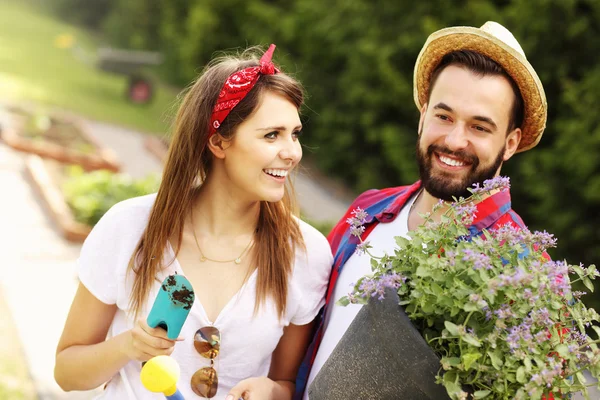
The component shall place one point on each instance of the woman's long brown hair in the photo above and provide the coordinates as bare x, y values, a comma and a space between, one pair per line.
187, 166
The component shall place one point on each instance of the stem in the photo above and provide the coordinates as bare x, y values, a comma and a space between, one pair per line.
467, 319
587, 344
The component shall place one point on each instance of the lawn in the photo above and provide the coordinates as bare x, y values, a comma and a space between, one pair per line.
34, 68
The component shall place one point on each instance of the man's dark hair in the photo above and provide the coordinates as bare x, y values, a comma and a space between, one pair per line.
482, 65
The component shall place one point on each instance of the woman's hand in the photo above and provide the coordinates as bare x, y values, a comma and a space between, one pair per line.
260, 388
143, 342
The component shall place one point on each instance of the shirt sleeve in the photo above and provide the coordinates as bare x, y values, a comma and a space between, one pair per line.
314, 271
103, 260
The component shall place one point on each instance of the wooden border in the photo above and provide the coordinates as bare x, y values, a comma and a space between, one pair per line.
54, 200
104, 158
157, 148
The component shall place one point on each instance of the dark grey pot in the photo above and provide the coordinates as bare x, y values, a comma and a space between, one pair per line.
381, 356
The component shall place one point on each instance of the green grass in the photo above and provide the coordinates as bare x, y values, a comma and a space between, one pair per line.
33, 68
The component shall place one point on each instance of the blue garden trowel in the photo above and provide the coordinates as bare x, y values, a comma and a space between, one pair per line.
169, 312
172, 305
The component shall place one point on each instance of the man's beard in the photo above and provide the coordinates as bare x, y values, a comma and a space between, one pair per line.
442, 187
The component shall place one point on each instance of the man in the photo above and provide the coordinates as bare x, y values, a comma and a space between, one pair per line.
480, 103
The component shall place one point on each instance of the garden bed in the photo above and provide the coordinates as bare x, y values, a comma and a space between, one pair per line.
48, 176
60, 137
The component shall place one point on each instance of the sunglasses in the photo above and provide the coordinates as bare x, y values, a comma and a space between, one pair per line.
207, 342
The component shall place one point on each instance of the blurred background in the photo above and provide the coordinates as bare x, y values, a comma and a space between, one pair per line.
117, 66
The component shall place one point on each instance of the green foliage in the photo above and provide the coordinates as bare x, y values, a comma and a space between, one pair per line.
502, 318
91, 195
88, 13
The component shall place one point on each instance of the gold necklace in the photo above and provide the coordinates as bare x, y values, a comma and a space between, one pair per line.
203, 258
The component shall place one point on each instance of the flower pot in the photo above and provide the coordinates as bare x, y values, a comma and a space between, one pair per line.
381, 356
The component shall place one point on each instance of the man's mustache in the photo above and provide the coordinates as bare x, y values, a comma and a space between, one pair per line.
461, 154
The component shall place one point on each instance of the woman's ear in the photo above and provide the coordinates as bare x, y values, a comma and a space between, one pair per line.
217, 146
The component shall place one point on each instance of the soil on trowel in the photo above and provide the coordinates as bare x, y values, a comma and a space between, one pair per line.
184, 295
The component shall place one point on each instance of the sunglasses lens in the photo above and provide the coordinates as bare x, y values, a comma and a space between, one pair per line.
205, 382
207, 342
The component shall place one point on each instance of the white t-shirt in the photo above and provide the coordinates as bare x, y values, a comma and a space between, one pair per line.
247, 341
339, 318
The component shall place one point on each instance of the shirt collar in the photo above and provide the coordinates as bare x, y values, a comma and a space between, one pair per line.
489, 210
398, 201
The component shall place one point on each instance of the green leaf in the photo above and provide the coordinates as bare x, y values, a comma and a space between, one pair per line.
588, 283
423, 272
437, 290
470, 307
581, 378
528, 364
344, 301
451, 327
452, 361
521, 375
481, 394
374, 264
470, 358
472, 340
485, 276
562, 350
496, 357
597, 330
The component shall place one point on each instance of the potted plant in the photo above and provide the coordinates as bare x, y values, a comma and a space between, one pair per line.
501, 316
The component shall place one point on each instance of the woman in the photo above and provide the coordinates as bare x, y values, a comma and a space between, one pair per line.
224, 218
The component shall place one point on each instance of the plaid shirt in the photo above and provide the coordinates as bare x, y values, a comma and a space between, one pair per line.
383, 206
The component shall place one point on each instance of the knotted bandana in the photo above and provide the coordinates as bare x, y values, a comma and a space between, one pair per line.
237, 86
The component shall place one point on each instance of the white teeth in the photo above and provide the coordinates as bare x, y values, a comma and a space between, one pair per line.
277, 172
451, 162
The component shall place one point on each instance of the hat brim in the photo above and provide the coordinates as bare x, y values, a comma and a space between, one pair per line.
515, 64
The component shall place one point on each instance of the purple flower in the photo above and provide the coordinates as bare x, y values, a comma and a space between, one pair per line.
393, 280
479, 260
361, 248
465, 212
357, 230
544, 240
359, 217
510, 234
516, 279
542, 317
557, 273
501, 183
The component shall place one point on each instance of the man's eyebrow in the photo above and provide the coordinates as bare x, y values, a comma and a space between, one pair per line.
443, 106
487, 120
278, 128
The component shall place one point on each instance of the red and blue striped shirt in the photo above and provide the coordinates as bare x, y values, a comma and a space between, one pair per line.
383, 206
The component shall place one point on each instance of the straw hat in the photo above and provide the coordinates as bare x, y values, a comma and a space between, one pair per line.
496, 42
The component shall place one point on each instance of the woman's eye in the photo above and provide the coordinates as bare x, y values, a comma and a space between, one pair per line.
297, 134
271, 135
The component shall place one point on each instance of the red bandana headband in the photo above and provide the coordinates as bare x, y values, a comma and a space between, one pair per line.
237, 86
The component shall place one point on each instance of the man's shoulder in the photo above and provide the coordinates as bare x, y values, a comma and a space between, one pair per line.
374, 196
373, 201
